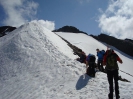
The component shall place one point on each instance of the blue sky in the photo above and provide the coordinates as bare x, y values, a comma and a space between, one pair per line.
112, 17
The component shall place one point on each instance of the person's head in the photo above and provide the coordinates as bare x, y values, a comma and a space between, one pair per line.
103, 50
110, 51
97, 50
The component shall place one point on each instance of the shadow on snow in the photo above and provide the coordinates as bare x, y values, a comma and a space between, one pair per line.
82, 81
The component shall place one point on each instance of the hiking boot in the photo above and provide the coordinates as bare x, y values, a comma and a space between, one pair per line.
117, 97
110, 96
92, 75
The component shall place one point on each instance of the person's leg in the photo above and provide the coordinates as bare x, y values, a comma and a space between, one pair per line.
93, 69
98, 63
116, 84
110, 81
101, 65
90, 69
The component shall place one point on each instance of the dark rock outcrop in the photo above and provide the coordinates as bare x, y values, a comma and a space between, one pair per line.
75, 49
70, 29
5, 29
125, 46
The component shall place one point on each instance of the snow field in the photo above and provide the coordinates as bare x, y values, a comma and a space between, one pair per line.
37, 64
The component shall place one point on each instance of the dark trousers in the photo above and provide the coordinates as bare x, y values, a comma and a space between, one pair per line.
113, 74
91, 69
100, 65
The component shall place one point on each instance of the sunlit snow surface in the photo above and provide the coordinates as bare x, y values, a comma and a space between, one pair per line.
37, 64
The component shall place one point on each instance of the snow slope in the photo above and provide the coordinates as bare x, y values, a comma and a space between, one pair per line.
37, 64
89, 45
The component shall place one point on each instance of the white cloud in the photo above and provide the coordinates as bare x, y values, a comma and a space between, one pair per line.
18, 12
117, 20
48, 24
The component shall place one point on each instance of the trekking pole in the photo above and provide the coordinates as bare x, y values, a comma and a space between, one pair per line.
126, 73
83, 71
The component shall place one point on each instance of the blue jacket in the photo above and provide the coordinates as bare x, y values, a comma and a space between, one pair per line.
100, 55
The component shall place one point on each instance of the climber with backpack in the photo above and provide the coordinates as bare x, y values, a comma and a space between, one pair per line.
110, 60
90, 60
100, 55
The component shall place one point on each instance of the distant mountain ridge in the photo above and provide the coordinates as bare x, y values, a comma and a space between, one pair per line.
5, 29
69, 29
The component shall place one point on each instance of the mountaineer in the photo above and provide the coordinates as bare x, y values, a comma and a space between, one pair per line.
110, 60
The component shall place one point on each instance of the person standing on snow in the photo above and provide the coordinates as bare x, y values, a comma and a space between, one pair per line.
90, 60
110, 60
100, 55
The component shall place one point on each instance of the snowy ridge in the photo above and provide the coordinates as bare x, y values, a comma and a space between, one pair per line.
25, 47
26, 56
37, 64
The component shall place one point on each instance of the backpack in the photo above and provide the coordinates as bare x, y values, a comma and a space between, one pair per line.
92, 58
112, 61
103, 52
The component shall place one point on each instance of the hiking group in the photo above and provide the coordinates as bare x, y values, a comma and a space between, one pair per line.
109, 60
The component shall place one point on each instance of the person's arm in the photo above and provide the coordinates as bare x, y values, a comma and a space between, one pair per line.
119, 59
104, 60
87, 59
97, 53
